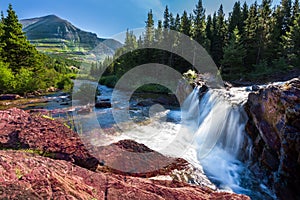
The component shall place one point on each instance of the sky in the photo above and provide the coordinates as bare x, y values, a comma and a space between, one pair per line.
107, 18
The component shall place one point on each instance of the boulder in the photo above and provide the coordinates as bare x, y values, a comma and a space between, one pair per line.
255, 88
9, 96
51, 89
273, 126
130, 158
103, 104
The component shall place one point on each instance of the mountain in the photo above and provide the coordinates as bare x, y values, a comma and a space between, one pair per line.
52, 34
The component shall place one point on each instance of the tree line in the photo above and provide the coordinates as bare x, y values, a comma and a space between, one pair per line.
254, 40
22, 68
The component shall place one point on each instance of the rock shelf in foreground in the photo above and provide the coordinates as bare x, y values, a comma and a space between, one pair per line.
69, 171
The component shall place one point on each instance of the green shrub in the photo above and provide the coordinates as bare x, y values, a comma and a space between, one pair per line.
109, 81
65, 83
7, 79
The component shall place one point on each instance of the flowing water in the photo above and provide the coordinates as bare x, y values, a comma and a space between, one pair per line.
209, 132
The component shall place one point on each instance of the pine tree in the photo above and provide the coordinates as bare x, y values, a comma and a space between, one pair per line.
166, 27
166, 23
251, 38
235, 19
296, 10
158, 32
149, 36
172, 22
286, 12
18, 52
199, 24
130, 41
2, 43
245, 13
234, 54
219, 36
275, 45
185, 25
177, 23
208, 31
292, 42
264, 27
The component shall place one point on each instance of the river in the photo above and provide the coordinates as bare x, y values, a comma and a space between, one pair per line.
208, 132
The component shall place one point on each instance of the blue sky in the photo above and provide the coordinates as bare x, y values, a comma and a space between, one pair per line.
109, 17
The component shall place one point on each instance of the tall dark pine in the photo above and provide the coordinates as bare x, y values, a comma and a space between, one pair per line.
166, 23
213, 37
149, 36
235, 19
158, 32
251, 40
199, 23
296, 10
185, 25
234, 54
275, 44
172, 22
18, 52
208, 32
245, 13
264, 31
177, 23
219, 36
292, 42
147, 55
2, 43
286, 12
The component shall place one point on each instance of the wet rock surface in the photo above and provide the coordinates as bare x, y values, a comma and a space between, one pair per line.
49, 161
29, 176
20, 130
274, 118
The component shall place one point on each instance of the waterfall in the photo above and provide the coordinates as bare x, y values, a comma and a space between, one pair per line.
217, 121
218, 127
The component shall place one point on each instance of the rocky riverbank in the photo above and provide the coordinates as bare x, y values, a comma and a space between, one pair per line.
274, 127
41, 158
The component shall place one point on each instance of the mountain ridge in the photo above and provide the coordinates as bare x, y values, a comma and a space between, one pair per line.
52, 34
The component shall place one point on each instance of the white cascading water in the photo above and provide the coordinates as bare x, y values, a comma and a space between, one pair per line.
219, 137
220, 140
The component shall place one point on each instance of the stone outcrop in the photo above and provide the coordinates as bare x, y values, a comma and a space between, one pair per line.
130, 158
20, 130
29, 176
274, 127
49, 161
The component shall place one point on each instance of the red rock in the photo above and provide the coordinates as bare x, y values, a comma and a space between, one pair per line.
116, 171
29, 176
273, 126
44, 135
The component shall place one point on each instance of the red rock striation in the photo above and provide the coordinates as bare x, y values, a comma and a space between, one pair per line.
20, 130
274, 126
76, 174
29, 176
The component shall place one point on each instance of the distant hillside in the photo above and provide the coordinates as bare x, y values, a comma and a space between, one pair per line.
52, 34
